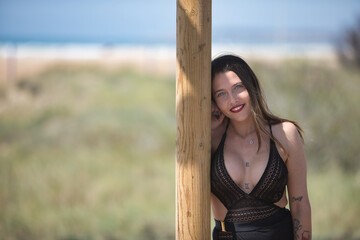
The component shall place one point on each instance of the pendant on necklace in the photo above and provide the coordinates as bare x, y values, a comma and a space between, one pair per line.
251, 141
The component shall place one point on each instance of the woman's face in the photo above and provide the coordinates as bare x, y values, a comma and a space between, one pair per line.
231, 96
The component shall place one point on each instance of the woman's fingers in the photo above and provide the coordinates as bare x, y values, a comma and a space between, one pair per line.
217, 114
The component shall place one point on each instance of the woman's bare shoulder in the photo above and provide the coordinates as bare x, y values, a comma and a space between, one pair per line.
285, 129
287, 134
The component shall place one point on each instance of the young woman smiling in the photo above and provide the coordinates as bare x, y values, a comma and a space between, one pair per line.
256, 156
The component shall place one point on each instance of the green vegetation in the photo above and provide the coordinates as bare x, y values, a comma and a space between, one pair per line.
324, 100
89, 153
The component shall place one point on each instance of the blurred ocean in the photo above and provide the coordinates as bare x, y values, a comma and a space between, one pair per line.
160, 51
126, 30
24, 59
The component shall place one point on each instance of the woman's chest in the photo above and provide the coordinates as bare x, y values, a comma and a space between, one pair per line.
246, 165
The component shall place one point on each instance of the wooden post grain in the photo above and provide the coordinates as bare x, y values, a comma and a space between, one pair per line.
193, 120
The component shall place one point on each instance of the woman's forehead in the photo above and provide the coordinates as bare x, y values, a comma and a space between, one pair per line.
225, 80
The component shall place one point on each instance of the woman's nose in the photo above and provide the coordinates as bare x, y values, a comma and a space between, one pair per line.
232, 98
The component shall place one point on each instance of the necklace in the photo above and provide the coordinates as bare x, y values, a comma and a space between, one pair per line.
251, 141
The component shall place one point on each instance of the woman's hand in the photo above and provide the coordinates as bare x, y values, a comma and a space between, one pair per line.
217, 117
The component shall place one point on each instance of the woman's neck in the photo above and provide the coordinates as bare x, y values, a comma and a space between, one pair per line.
243, 128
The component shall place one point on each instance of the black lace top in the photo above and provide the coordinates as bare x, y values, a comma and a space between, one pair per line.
258, 204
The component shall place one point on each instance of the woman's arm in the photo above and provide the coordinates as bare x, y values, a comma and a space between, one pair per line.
297, 186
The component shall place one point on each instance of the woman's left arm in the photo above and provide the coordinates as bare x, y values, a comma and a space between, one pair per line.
297, 186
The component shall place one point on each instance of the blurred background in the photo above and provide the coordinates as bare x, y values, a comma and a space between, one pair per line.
87, 110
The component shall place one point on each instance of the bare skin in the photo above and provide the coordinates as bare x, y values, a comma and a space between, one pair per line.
233, 100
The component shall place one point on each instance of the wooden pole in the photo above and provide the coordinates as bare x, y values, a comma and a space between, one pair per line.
193, 119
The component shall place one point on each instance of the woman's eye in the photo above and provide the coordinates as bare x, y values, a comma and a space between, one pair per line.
221, 94
238, 86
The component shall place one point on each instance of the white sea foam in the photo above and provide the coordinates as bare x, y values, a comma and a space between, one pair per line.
159, 52
27, 59
277, 50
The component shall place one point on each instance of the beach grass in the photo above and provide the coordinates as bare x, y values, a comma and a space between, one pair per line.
89, 153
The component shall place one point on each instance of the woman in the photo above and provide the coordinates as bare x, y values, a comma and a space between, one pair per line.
255, 155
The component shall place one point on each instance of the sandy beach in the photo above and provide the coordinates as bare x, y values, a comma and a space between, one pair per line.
18, 61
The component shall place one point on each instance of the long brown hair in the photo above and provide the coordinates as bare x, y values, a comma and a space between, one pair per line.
260, 111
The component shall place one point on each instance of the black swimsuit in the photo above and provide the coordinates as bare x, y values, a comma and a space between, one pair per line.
251, 215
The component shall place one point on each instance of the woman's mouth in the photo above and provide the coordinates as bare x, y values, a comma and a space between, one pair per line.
237, 108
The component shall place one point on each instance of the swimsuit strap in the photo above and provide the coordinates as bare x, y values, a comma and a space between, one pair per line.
222, 141
224, 134
271, 133
227, 125
270, 127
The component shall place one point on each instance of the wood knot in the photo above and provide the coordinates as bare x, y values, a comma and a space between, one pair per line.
193, 12
201, 46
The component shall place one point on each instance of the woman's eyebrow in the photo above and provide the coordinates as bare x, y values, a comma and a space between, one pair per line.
218, 90
240, 82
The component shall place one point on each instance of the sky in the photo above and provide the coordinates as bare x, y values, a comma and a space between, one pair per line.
145, 21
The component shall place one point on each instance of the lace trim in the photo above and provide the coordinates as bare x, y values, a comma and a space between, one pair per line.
225, 235
249, 215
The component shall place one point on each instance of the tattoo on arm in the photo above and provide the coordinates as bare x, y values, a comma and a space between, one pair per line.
305, 235
299, 198
297, 226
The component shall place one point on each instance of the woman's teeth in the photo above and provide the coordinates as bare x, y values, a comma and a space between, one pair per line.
237, 108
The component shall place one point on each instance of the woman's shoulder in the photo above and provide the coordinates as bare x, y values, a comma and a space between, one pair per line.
287, 134
285, 129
